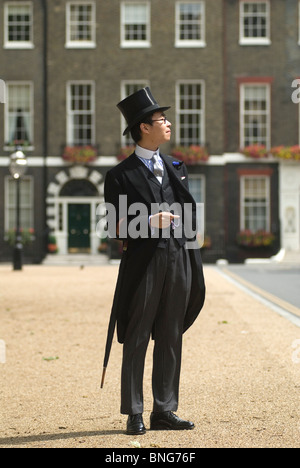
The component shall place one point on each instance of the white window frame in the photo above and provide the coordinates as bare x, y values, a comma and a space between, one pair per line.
200, 112
135, 43
70, 113
199, 177
200, 205
267, 204
85, 44
267, 113
190, 42
11, 223
257, 41
126, 139
6, 112
17, 44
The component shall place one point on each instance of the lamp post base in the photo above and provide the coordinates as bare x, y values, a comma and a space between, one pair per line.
17, 259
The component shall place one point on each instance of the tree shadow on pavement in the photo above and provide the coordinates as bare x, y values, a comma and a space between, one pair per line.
23, 440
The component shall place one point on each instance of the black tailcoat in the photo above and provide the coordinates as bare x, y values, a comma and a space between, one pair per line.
131, 178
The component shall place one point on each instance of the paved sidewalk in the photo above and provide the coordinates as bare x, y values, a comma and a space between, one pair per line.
240, 374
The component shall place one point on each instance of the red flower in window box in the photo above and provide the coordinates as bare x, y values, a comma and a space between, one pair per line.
291, 153
190, 154
255, 151
251, 239
27, 236
80, 154
125, 152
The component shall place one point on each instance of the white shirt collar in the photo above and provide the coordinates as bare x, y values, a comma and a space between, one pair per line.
145, 153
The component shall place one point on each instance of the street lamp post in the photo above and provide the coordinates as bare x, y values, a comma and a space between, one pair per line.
17, 167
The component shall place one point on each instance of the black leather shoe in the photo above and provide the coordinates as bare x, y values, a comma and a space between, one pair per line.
135, 425
169, 421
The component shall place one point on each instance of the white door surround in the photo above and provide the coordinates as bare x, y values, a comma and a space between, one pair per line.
289, 181
57, 205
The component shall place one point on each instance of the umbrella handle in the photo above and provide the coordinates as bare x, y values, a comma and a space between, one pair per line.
103, 377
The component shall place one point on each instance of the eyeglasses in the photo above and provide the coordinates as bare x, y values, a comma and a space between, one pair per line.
163, 119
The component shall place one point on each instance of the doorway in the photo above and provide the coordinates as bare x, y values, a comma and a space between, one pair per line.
79, 228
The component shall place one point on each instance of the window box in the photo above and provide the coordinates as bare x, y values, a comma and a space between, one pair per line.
79, 154
289, 153
190, 154
27, 236
255, 151
254, 240
12, 145
125, 151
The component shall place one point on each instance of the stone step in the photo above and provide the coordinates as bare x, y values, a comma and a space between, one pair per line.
75, 260
292, 257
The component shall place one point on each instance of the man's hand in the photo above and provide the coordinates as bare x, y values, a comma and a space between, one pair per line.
162, 220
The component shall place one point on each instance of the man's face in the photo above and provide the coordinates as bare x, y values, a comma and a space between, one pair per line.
160, 130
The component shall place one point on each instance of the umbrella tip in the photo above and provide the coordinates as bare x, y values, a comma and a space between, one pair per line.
103, 377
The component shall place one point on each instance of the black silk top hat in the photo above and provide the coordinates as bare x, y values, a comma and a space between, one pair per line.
137, 106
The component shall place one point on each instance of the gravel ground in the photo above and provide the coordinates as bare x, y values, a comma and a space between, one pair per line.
240, 379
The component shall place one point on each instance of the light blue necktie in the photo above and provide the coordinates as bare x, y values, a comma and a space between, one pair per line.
158, 169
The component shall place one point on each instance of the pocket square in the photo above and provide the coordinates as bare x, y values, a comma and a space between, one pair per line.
182, 178
177, 164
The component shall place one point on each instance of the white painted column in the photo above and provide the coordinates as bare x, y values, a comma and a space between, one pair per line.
289, 183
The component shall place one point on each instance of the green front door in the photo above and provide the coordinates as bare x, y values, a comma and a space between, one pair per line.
79, 217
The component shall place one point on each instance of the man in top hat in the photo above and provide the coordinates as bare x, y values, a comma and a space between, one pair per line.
160, 289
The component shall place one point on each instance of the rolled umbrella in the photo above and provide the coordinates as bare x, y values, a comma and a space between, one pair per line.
113, 319
109, 339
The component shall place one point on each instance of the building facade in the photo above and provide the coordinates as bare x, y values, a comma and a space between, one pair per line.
225, 67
